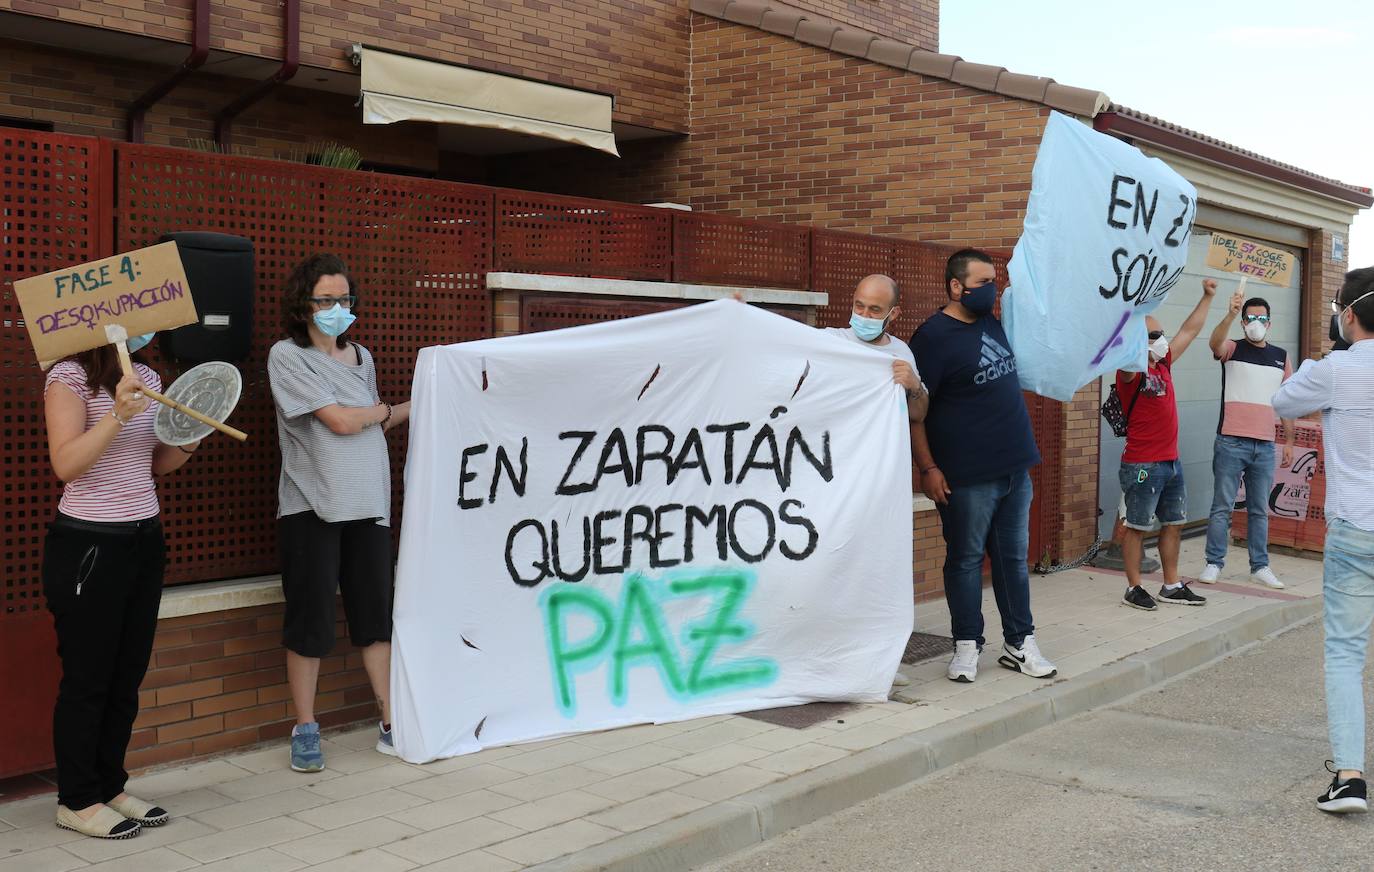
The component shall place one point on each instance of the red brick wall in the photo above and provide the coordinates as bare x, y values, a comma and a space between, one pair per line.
88, 95
637, 51
1324, 281
928, 556
913, 21
218, 681
789, 132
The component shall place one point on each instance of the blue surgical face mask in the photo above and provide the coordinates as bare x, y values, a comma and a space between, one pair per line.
867, 329
137, 343
334, 320
981, 299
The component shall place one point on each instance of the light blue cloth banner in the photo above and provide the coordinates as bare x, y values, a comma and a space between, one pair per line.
1105, 238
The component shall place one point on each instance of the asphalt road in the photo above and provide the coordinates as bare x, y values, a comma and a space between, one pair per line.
1216, 770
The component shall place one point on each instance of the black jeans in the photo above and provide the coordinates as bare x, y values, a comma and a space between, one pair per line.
103, 584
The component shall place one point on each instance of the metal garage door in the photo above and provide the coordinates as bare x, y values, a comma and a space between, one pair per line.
1197, 377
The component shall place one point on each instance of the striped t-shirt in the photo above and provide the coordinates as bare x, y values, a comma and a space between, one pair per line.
119, 487
339, 478
1250, 375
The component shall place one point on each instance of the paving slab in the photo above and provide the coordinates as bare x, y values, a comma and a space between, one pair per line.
668, 796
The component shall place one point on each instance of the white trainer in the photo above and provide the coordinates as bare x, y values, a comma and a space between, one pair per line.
1027, 659
1265, 576
1210, 574
900, 680
963, 666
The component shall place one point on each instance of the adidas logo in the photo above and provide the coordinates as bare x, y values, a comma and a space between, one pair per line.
995, 361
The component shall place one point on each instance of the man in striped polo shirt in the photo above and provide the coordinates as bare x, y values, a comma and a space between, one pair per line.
1251, 372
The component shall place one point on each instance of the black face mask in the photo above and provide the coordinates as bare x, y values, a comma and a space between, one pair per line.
1341, 344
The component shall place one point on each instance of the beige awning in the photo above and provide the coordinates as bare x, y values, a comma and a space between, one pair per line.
401, 88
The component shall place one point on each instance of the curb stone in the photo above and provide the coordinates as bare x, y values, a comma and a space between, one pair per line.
733, 825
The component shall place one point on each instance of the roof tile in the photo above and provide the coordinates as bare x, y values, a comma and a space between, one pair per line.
1025, 87
852, 41
748, 12
891, 52
1211, 140
929, 63
817, 31
980, 76
713, 8
782, 21
1075, 101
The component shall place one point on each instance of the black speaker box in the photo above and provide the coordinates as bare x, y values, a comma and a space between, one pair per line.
219, 269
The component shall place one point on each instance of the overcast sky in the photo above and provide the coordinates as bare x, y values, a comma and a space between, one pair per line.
1293, 81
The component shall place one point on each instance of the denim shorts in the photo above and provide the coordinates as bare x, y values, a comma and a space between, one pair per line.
1153, 490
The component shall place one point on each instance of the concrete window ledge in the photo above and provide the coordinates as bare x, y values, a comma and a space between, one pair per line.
220, 596
551, 284
922, 503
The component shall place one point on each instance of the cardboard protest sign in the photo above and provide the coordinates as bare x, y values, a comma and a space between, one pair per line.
1105, 239
1263, 263
142, 291
690, 513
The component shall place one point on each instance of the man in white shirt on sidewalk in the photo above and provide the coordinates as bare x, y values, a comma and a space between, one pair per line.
1341, 387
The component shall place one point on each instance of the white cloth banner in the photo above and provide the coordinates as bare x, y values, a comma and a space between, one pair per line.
1105, 238
683, 514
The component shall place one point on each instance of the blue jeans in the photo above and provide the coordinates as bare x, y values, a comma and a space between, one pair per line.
992, 518
1233, 457
1348, 591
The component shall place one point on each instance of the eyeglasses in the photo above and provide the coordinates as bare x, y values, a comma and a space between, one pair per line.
1156, 334
1263, 319
1337, 308
346, 301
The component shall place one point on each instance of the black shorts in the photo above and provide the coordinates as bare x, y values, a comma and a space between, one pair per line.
316, 558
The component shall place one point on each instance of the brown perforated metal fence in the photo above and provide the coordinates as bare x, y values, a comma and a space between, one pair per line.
544, 233
420, 250
715, 250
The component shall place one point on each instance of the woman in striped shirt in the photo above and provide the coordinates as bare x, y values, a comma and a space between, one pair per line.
102, 577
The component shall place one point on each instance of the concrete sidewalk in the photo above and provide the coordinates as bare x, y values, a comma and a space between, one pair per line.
662, 796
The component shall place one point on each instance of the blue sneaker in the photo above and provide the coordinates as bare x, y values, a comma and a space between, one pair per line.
306, 755
384, 743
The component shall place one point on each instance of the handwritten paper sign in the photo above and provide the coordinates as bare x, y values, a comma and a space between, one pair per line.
690, 513
1260, 262
1104, 241
143, 291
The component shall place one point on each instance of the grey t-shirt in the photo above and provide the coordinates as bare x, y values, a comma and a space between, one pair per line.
339, 478
894, 346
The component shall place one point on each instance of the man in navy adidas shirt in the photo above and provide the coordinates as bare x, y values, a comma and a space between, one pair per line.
975, 450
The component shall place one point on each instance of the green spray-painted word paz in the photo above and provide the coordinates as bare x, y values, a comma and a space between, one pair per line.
635, 632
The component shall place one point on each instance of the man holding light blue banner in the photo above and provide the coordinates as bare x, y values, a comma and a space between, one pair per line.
1105, 239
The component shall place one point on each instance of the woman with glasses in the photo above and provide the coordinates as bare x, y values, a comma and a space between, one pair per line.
334, 495
102, 577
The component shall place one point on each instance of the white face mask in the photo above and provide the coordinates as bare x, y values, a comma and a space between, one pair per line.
1159, 349
1340, 315
1255, 331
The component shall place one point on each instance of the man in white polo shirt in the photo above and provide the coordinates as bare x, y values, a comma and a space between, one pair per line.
1341, 386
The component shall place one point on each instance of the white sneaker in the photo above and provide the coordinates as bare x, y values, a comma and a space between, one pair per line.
900, 680
1265, 576
1210, 574
1027, 659
963, 666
